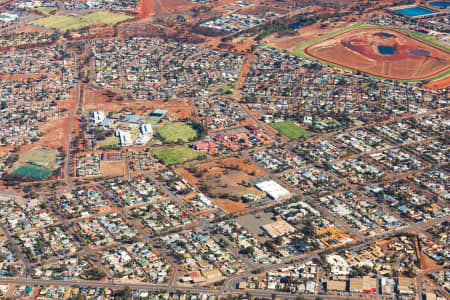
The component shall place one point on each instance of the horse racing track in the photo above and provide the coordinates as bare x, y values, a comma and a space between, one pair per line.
383, 53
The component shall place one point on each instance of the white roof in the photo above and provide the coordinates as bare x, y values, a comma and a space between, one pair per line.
273, 189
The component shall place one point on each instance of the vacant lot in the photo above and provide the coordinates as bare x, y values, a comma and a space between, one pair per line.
64, 23
225, 181
172, 132
290, 129
176, 155
112, 168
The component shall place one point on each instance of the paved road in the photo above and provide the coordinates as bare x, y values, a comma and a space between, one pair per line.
68, 160
231, 282
11, 195
159, 287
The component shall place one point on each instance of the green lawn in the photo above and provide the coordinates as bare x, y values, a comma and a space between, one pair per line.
28, 170
64, 23
290, 129
229, 89
44, 9
105, 17
41, 155
153, 120
171, 132
108, 142
332, 121
176, 155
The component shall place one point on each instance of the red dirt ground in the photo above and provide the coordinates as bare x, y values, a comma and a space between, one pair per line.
55, 136
147, 8
427, 262
112, 168
232, 178
303, 35
439, 84
96, 100
357, 49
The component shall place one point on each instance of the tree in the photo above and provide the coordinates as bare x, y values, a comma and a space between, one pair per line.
248, 251
124, 294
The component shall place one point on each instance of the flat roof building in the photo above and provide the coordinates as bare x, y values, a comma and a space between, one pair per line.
273, 189
337, 285
278, 228
124, 138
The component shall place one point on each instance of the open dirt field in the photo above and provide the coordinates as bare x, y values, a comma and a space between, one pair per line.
382, 52
97, 100
112, 168
263, 11
439, 84
305, 34
230, 176
54, 135
148, 8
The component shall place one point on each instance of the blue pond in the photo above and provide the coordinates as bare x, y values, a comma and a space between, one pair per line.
440, 4
415, 11
386, 50
385, 34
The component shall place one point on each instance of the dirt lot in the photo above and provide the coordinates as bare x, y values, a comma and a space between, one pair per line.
54, 135
263, 11
148, 8
439, 84
427, 262
225, 179
112, 168
303, 35
96, 99
359, 49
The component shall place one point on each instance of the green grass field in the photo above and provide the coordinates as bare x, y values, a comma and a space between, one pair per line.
105, 17
171, 132
41, 155
176, 155
64, 23
44, 9
108, 142
229, 89
154, 120
28, 170
290, 129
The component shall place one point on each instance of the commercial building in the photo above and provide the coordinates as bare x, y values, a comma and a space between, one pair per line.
273, 189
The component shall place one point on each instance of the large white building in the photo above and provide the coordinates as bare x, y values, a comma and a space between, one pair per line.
273, 189
146, 129
6, 17
124, 138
